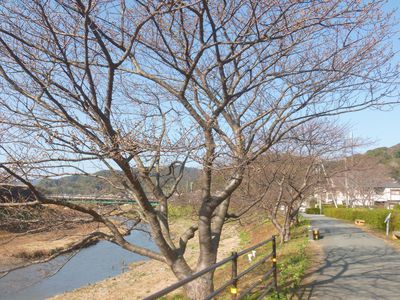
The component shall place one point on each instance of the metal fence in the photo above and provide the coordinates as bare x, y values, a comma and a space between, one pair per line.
236, 294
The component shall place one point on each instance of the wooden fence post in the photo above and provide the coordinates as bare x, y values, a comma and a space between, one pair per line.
275, 269
234, 289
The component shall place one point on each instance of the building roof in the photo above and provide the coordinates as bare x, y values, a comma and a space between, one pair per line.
389, 185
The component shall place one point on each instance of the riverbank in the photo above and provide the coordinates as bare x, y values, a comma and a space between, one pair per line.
142, 278
146, 277
55, 236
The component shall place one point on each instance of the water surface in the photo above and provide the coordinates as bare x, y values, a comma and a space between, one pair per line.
89, 265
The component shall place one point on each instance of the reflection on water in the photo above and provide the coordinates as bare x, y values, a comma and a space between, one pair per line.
88, 266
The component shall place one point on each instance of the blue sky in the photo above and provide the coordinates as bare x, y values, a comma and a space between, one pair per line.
380, 126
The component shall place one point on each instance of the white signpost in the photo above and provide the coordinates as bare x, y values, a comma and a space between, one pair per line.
387, 221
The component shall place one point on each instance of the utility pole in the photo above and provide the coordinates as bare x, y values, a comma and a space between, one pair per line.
330, 182
346, 180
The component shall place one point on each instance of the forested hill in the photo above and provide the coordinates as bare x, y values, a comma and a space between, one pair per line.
91, 185
388, 157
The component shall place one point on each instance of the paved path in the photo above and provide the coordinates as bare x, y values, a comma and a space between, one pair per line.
355, 264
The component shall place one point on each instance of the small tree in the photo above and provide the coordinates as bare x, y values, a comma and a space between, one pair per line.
285, 178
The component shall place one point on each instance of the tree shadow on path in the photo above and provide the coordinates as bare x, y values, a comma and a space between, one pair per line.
353, 265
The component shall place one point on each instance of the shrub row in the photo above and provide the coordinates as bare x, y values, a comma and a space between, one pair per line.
312, 210
374, 217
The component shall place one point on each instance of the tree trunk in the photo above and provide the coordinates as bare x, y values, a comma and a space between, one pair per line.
296, 220
285, 233
201, 287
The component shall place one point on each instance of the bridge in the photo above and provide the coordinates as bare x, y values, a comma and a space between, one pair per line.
104, 200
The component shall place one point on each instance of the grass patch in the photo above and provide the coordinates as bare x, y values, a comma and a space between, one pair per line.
244, 238
180, 211
293, 261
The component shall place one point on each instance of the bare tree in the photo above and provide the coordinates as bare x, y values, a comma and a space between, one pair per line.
142, 85
358, 179
291, 172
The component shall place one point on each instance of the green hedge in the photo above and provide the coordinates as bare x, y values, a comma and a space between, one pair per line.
374, 217
312, 211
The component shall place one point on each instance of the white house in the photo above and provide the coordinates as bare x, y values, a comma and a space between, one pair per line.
387, 195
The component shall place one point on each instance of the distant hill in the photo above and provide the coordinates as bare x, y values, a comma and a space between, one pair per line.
389, 157
90, 185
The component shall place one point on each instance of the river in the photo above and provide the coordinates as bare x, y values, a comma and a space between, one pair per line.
89, 265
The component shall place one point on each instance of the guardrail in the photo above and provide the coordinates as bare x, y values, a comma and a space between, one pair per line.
235, 277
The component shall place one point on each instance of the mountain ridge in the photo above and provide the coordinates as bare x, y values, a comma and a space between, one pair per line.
93, 185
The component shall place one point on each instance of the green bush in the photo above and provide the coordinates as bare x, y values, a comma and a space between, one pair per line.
374, 217
327, 206
312, 211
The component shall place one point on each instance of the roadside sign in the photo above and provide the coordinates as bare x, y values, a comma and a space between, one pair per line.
387, 221
388, 217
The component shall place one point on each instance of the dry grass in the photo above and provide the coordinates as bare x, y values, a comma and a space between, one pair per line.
145, 278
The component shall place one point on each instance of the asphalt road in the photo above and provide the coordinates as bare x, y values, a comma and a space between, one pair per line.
354, 264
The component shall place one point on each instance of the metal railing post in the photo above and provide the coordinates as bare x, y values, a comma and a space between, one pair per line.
274, 263
234, 289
